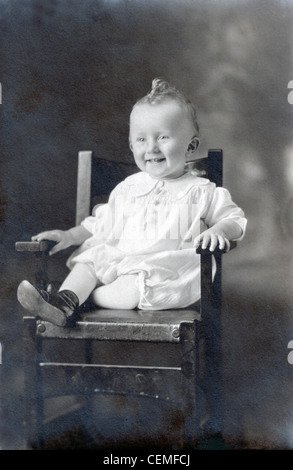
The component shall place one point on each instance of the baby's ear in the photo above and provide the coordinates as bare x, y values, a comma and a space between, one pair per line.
131, 146
193, 146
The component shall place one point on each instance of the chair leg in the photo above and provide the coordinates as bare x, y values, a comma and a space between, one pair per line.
212, 331
190, 396
213, 365
32, 403
89, 396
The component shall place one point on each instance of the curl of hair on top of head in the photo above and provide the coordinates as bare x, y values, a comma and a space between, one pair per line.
162, 90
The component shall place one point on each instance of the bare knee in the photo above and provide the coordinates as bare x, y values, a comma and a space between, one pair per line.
123, 293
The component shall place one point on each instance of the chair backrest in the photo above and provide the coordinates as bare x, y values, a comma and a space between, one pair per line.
97, 177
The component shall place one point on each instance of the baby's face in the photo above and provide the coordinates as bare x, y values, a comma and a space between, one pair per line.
160, 135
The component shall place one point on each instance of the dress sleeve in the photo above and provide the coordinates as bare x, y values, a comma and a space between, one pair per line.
89, 222
220, 206
99, 220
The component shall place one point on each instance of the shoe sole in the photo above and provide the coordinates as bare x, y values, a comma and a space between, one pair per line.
31, 300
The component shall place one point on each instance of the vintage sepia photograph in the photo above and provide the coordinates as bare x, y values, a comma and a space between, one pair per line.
146, 194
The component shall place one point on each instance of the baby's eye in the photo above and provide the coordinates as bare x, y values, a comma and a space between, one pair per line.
140, 139
163, 137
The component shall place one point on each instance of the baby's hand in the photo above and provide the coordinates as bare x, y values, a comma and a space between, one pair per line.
211, 238
61, 237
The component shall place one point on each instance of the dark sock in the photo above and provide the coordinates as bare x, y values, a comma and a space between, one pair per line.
70, 298
65, 300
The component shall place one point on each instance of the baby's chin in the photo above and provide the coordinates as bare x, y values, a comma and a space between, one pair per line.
156, 167
163, 174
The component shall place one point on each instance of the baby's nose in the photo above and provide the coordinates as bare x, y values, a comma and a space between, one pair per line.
152, 146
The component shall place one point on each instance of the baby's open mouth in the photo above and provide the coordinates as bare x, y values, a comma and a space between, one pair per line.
155, 160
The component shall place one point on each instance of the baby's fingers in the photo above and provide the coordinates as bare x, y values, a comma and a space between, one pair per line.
56, 248
197, 241
40, 236
227, 245
222, 242
210, 241
53, 235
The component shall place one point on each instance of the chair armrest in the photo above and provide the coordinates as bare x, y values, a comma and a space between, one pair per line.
35, 247
46, 245
217, 251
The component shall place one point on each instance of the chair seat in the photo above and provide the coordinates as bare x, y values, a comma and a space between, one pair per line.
124, 325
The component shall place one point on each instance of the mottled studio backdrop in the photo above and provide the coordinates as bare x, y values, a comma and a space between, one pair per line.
70, 71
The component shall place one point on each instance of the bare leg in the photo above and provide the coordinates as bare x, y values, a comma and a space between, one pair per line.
123, 293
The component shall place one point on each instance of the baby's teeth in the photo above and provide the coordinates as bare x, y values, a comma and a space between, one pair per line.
156, 160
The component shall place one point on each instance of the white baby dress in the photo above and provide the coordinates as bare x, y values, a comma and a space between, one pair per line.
148, 227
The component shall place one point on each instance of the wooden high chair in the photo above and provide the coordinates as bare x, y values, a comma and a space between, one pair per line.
188, 378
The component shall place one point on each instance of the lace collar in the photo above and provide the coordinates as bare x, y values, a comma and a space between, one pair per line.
141, 184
